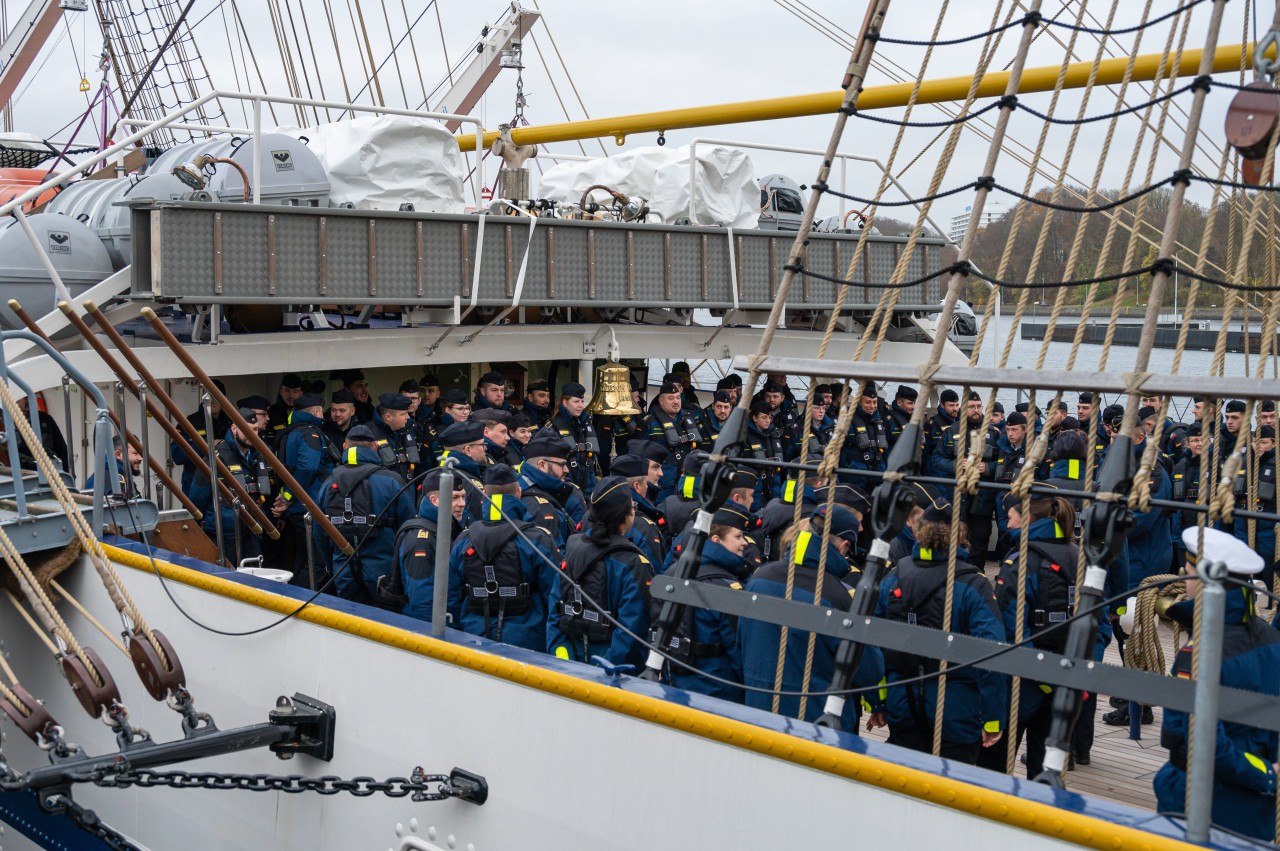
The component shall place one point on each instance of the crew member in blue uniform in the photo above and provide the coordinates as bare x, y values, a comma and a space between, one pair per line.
537, 403
604, 583
1264, 498
915, 592
764, 443
454, 408
1244, 775
499, 582
290, 390
309, 457
648, 531
491, 392
574, 425
1150, 538
900, 412
368, 504
497, 437
816, 433
128, 463
760, 640
867, 444
680, 507
706, 639
671, 427
715, 415
554, 503
178, 451
415, 546
947, 414
396, 438
464, 442
247, 467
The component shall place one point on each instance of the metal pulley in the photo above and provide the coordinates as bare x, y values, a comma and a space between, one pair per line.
1252, 119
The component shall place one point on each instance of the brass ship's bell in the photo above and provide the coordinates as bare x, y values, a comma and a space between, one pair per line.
613, 391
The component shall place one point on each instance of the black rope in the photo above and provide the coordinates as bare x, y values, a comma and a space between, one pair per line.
1085, 208
852, 110
1109, 115
822, 187
1037, 19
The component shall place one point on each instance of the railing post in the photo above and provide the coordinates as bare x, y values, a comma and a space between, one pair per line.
257, 150
144, 432
1204, 720
206, 401
444, 543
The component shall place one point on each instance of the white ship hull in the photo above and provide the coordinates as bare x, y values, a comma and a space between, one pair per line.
573, 758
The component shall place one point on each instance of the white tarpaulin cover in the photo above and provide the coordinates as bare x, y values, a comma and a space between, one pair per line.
726, 192
379, 162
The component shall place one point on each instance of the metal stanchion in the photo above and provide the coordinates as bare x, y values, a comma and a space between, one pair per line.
1204, 718
144, 433
206, 401
444, 542
307, 523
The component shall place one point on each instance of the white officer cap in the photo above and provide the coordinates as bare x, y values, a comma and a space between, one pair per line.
1219, 546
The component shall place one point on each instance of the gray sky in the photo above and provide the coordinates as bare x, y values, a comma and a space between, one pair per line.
661, 54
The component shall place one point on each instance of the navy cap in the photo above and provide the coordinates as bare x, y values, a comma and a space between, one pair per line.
1267, 405
291, 380
681, 367
612, 492
1195, 430
431, 481
306, 400
774, 387
1266, 431
249, 414
459, 434
409, 386
429, 380
846, 495
1113, 414
547, 444
343, 397
670, 387
1017, 418
760, 406
948, 395
725, 383
1022, 407
727, 516
1069, 445
361, 432
491, 415
456, 397
926, 495
735, 378
841, 522
869, 390
1069, 424
938, 513
519, 421
573, 390
491, 378
629, 466
722, 396
648, 449
500, 474
908, 393
1147, 411
974, 397
258, 403
351, 376
540, 384
743, 478
998, 408
1086, 398
1061, 406
393, 402
1235, 406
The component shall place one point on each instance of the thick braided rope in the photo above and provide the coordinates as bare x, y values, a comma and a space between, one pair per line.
1144, 650
40, 603
953, 545
88, 540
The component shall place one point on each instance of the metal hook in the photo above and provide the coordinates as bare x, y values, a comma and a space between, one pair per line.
1262, 66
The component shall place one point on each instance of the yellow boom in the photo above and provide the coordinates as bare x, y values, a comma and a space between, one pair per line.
1110, 71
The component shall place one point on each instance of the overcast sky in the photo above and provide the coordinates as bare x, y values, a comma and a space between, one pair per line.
662, 54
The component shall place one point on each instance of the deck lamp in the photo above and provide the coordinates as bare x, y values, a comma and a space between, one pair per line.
192, 173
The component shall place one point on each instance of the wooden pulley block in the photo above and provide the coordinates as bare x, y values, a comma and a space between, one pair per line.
37, 718
156, 679
1252, 119
93, 697
1251, 172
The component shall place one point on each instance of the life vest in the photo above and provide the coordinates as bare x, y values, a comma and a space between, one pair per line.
579, 618
920, 600
493, 582
1056, 569
681, 644
348, 502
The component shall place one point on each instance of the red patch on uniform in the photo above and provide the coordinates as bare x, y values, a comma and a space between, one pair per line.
897, 592
471, 551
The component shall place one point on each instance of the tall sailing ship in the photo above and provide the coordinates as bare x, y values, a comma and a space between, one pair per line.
327, 233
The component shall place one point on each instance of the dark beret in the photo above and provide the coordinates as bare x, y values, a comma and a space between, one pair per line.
1235, 406
1086, 398
669, 387
1266, 431
291, 380
869, 390
1146, 411
459, 434
258, 403
540, 384
998, 408
743, 478
974, 397
491, 415
760, 406
648, 449
1070, 424
393, 402
1022, 407
722, 396
681, 367
456, 397
428, 380
908, 393
1267, 405
352, 375
735, 378
1016, 418
629, 466
938, 513
1195, 430
500, 474
725, 383
491, 378
408, 386
948, 395
774, 387
573, 390
431, 481
307, 400
519, 421
249, 414
1113, 414
343, 397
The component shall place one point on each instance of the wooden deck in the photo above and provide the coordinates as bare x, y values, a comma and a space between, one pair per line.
1120, 768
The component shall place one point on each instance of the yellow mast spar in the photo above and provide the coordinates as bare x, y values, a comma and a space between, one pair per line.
1042, 79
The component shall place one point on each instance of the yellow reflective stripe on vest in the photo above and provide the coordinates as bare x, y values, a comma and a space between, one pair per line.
1256, 762
789, 492
1057, 530
926, 554
686, 487
802, 544
1073, 468
288, 418
495, 507
351, 456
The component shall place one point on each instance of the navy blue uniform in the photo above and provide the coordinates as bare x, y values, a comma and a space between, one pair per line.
390, 505
1244, 782
760, 640
416, 558
679, 435
620, 576
708, 640
308, 455
580, 432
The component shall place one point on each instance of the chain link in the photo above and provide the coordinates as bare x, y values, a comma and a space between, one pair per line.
421, 786
88, 821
